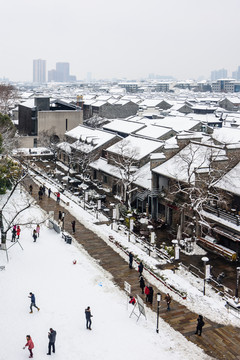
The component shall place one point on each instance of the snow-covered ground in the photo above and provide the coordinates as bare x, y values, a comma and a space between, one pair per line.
211, 306
63, 291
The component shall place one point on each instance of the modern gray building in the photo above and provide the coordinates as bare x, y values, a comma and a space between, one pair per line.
39, 71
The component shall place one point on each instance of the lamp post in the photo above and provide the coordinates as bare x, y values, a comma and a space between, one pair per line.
205, 260
158, 306
176, 249
129, 217
150, 227
237, 282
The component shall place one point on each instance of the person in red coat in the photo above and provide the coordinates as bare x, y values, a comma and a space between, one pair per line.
132, 300
147, 292
30, 345
18, 231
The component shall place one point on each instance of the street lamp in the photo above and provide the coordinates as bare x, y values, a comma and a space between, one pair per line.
205, 260
158, 306
129, 217
237, 282
150, 228
176, 249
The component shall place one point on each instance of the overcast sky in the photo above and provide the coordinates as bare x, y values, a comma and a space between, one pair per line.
126, 38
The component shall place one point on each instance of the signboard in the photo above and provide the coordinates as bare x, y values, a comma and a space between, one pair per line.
127, 287
141, 307
99, 204
207, 271
152, 237
86, 196
176, 252
114, 213
131, 224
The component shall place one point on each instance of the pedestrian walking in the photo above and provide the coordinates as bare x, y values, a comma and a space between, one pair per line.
58, 197
168, 300
18, 231
34, 235
43, 189
130, 259
146, 292
40, 193
30, 189
140, 268
38, 230
49, 192
59, 215
73, 226
14, 233
88, 318
30, 345
33, 302
63, 218
142, 283
132, 300
200, 324
150, 296
52, 338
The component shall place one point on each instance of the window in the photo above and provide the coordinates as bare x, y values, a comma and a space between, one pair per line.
105, 179
35, 142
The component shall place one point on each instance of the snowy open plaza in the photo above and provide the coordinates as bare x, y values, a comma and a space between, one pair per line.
63, 290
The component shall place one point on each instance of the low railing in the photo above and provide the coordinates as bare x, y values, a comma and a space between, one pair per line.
223, 214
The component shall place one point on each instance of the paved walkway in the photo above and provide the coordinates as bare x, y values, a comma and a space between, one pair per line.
218, 341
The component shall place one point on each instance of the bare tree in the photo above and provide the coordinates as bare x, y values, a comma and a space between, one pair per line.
126, 162
50, 140
8, 96
194, 175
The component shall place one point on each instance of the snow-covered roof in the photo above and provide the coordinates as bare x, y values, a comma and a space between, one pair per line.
178, 123
231, 181
143, 147
194, 156
154, 131
142, 175
65, 146
123, 126
88, 138
226, 135
30, 103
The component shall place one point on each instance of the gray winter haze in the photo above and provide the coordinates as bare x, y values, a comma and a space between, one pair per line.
120, 39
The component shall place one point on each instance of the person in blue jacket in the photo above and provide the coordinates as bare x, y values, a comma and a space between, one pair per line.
33, 302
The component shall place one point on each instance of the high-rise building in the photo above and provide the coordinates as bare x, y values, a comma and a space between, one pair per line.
39, 71
61, 74
218, 74
62, 71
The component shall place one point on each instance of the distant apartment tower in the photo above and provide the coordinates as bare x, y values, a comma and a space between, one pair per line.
61, 74
236, 74
39, 71
62, 70
218, 74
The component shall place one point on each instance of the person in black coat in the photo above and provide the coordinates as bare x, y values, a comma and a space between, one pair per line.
142, 283
150, 296
140, 268
88, 317
73, 226
200, 324
130, 260
60, 215
52, 337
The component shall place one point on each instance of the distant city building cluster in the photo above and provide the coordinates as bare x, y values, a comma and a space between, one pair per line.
60, 74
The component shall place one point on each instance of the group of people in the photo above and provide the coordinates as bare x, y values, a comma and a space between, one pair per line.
52, 333
15, 232
51, 344
41, 191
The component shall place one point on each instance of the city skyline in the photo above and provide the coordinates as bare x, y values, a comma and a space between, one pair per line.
132, 39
